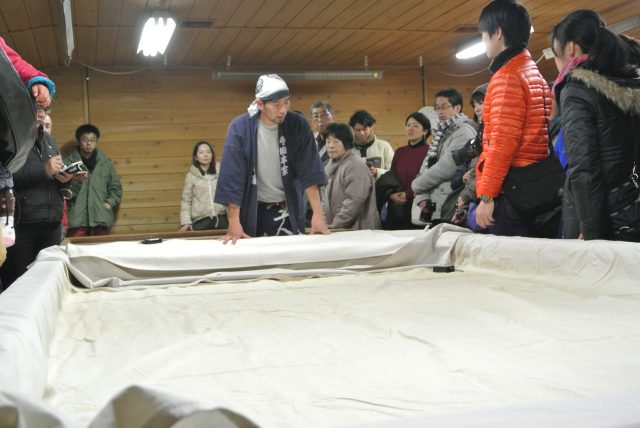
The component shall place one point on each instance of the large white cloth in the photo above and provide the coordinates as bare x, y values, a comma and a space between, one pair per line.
525, 332
183, 261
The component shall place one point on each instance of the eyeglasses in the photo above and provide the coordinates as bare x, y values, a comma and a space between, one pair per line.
442, 107
88, 140
321, 115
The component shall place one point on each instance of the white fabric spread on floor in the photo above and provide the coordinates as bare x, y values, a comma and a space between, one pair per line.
525, 332
119, 264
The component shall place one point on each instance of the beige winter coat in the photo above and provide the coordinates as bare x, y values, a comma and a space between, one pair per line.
349, 200
197, 198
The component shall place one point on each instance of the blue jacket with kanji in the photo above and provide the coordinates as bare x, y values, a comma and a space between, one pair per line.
300, 166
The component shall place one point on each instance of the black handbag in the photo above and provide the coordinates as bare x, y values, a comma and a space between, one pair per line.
17, 117
537, 188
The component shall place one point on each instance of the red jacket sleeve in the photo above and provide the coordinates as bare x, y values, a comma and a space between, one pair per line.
25, 70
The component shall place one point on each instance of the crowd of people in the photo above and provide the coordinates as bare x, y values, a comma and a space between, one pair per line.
536, 160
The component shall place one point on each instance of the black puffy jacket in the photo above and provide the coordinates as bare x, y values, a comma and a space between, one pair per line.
38, 196
601, 128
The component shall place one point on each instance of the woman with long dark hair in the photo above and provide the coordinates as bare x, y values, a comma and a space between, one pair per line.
197, 210
598, 92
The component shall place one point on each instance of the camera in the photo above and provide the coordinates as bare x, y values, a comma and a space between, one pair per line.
427, 212
75, 168
470, 150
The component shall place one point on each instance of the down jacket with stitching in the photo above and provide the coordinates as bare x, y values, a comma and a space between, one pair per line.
515, 114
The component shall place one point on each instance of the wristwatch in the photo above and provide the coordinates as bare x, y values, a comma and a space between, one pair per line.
485, 198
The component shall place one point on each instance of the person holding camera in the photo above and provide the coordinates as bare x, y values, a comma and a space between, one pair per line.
378, 153
467, 158
96, 192
432, 186
39, 185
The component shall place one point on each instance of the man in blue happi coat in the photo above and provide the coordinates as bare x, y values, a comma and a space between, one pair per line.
270, 162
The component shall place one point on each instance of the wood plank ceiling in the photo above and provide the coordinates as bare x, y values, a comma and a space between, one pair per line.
275, 34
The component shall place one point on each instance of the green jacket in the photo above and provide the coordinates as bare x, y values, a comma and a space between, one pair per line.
86, 207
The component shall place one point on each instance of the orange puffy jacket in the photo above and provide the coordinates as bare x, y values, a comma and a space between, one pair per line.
515, 113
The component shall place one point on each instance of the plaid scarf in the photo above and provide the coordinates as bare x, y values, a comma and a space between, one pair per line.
441, 132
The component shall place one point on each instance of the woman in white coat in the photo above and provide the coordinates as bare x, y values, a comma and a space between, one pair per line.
197, 210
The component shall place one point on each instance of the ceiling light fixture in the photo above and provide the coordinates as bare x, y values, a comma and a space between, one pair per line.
156, 34
300, 75
473, 48
68, 28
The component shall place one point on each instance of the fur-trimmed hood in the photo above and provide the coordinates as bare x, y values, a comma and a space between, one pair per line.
624, 93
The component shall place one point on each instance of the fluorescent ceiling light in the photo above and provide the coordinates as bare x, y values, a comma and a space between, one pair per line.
473, 49
300, 75
156, 34
68, 27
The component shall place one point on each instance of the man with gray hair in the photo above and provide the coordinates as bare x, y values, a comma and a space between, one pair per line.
322, 115
265, 197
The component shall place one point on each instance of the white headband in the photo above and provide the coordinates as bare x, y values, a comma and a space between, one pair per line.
270, 87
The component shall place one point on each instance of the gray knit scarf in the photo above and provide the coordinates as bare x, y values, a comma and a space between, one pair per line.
441, 132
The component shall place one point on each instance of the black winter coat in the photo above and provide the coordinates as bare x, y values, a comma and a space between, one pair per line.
601, 128
38, 195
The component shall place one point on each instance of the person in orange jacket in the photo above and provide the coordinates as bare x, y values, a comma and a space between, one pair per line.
515, 114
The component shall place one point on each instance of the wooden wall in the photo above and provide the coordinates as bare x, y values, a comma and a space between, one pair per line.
150, 121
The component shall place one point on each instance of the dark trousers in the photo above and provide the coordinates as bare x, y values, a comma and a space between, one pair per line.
508, 222
208, 223
30, 239
273, 220
88, 231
